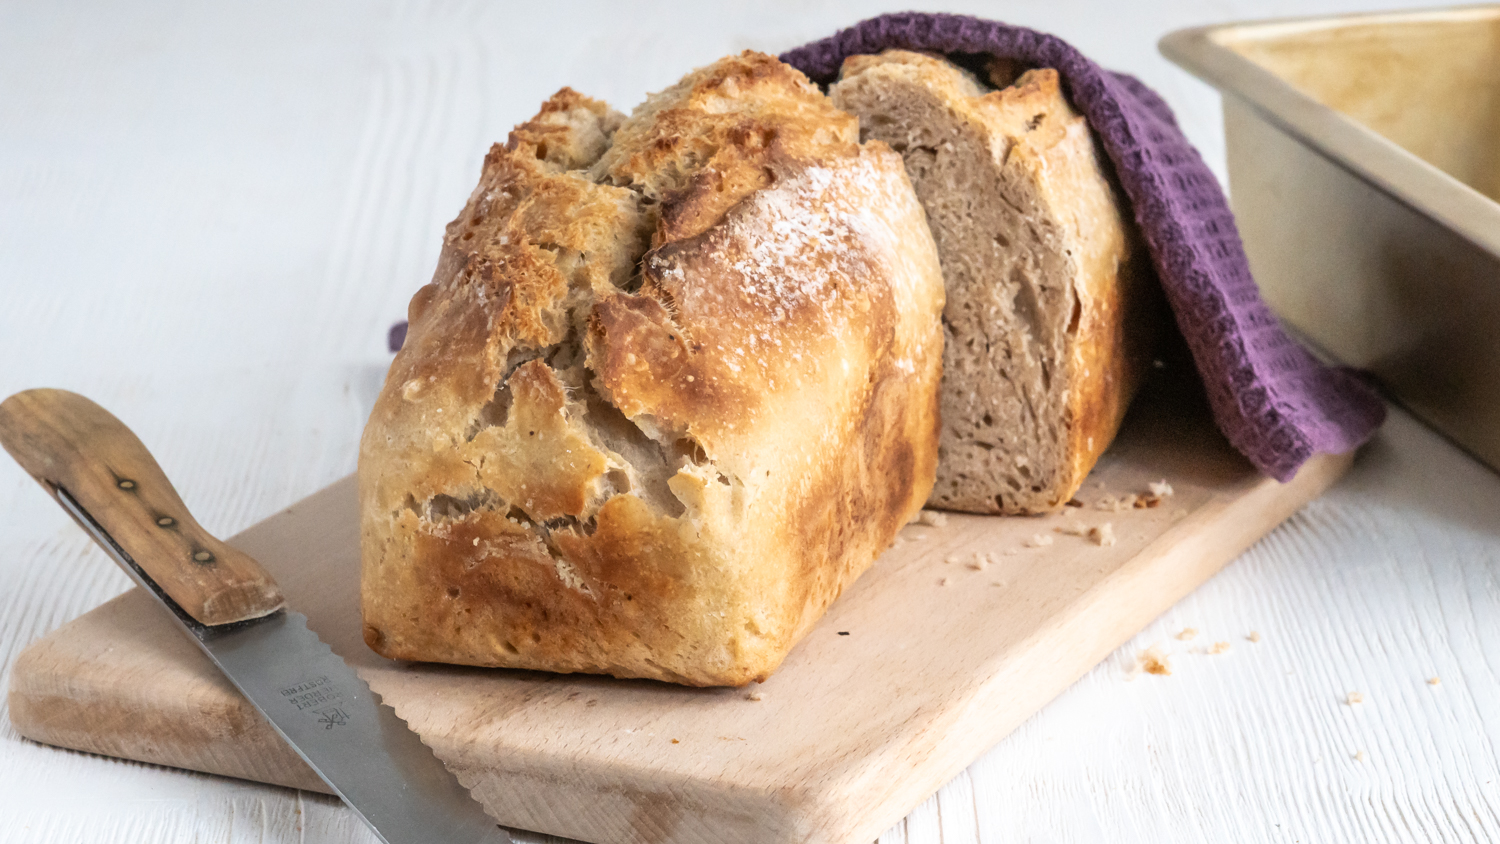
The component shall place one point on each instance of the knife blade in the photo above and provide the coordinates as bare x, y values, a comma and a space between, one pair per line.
223, 600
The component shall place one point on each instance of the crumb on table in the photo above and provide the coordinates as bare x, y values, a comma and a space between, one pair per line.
1353, 697
1186, 634
1152, 660
1433, 681
1359, 756
1253, 636
1219, 648
756, 696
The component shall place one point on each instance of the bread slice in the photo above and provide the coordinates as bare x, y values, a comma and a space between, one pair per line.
1049, 310
672, 389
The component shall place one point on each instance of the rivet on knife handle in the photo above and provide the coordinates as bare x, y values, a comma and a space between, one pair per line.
70, 443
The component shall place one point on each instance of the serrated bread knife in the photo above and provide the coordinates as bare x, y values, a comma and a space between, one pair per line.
223, 600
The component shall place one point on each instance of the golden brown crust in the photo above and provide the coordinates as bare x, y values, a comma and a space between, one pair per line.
705, 144
594, 457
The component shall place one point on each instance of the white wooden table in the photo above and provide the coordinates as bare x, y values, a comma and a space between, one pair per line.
210, 213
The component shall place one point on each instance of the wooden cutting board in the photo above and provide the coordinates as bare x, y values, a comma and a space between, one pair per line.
926, 662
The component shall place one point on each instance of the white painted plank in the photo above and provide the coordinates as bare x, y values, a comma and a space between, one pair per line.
957, 815
925, 825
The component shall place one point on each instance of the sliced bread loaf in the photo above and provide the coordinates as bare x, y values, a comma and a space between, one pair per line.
1050, 304
673, 387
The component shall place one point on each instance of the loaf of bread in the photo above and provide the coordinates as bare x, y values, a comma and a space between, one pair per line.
673, 387
1050, 308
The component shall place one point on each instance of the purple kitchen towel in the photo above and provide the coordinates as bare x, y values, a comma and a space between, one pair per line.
1276, 404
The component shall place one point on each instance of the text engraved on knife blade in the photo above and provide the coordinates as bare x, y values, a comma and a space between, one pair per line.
319, 697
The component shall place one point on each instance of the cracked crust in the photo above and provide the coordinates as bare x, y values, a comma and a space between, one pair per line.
1051, 310
672, 389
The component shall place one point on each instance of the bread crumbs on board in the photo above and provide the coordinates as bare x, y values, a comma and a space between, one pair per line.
756, 696
1353, 697
1039, 540
1156, 492
1359, 756
1103, 534
1253, 636
1219, 648
1098, 534
1433, 681
1186, 634
932, 518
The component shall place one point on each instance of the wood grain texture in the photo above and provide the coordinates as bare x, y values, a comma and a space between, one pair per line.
79, 452
209, 215
958, 634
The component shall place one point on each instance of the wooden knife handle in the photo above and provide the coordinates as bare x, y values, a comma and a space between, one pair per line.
69, 443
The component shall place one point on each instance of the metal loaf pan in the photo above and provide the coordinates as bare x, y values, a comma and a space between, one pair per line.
1364, 172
